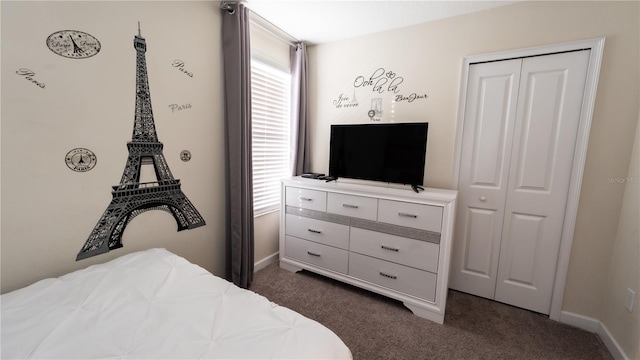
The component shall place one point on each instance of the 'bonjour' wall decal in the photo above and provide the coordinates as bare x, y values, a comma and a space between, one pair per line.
381, 81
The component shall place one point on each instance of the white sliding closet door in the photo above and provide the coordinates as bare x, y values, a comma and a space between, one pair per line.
519, 137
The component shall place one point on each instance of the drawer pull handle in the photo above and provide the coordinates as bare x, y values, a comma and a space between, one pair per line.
388, 276
350, 206
314, 231
389, 248
408, 215
306, 199
313, 254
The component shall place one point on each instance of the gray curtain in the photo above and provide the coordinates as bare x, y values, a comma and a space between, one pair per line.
299, 113
237, 83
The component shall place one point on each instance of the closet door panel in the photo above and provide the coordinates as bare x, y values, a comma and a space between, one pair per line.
548, 116
486, 150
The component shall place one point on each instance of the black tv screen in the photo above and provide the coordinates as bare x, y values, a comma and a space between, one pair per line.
390, 152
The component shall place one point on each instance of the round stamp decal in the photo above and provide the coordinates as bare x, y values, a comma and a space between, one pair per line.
73, 44
185, 155
80, 159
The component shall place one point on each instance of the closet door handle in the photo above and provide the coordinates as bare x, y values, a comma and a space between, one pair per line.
413, 216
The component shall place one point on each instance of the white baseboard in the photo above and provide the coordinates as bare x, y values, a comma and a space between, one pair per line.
580, 321
263, 263
595, 326
611, 343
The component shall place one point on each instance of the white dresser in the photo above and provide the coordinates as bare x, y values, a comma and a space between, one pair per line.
392, 241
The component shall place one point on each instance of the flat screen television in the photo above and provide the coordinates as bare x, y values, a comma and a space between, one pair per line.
389, 152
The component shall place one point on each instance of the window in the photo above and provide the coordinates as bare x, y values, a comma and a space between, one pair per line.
270, 111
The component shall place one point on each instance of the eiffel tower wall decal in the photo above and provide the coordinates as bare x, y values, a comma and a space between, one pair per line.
131, 197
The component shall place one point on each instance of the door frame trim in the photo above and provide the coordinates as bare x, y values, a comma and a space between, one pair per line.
596, 46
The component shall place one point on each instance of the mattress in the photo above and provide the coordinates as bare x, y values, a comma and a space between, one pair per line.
154, 304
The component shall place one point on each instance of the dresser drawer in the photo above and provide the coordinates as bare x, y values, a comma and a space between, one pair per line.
317, 230
415, 253
351, 205
317, 254
418, 283
417, 216
306, 199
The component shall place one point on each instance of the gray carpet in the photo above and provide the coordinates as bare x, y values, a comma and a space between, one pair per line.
375, 327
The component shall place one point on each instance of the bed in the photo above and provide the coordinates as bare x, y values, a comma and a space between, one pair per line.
154, 304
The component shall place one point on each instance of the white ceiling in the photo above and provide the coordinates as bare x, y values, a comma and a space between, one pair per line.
315, 21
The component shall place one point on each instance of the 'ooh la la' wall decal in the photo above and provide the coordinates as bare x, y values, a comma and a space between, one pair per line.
381, 82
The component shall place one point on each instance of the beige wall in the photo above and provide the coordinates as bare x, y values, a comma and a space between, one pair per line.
48, 211
429, 57
624, 272
267, 231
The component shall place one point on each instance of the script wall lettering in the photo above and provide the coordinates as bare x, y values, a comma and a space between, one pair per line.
411, 98
176, 107
28, 75
179, 64
380, 81
344, 101
384, 86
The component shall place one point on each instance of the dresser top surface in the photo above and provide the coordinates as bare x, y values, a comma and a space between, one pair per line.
404, 193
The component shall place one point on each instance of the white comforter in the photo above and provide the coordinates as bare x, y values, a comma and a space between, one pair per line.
155, 304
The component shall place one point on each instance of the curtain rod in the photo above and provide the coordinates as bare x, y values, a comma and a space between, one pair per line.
272, 29
261, 22
229, 6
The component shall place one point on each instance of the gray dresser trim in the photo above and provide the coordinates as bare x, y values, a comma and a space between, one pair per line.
416, 234
319, 215
411, 233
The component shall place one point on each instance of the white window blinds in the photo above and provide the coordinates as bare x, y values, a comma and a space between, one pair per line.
270, 116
